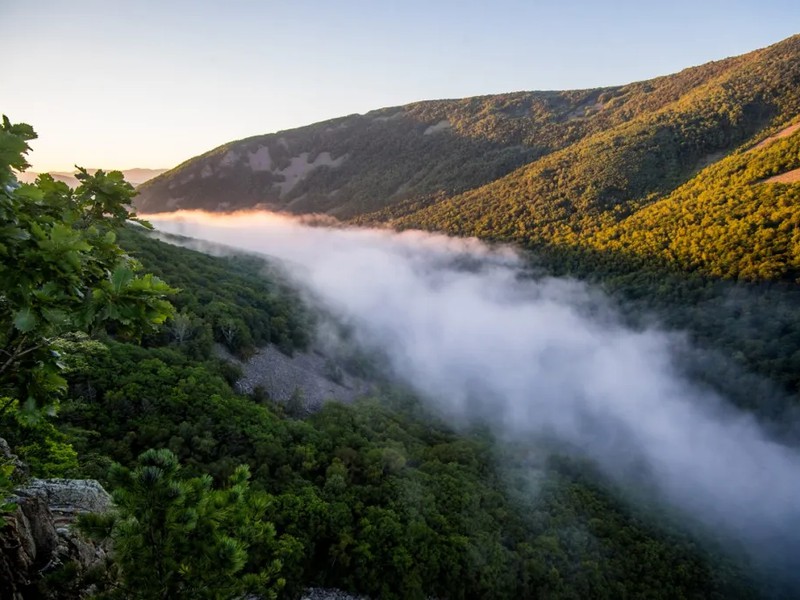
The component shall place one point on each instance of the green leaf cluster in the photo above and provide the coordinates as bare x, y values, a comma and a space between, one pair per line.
179, 537
62, 271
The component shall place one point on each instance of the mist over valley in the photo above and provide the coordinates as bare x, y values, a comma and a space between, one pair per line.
526, 344
536, 358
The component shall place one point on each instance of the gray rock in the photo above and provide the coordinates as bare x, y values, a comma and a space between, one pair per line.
308, 375
37, 536
70, 495
28, 542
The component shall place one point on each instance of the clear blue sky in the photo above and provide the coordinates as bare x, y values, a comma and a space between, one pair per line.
140, 83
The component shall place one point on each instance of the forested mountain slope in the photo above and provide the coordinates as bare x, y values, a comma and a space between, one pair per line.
730, 221
668, 192
378, 497
603, 179
527, 166
422, 151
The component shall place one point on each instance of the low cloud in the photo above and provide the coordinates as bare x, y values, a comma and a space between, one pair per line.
537, 357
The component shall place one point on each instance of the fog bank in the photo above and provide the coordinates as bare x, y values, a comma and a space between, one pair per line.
543, 357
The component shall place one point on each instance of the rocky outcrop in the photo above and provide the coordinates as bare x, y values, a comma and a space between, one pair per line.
310, 377
28, 542
37, 537
68, 498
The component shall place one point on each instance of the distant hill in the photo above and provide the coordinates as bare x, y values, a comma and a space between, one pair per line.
652, 168
133, 176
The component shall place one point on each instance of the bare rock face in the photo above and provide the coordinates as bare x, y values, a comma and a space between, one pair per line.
37, 537
28, 542
308, 377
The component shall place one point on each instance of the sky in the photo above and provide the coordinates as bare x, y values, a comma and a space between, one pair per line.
115, 84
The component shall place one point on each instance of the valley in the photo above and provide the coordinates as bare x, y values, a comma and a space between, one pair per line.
537, 344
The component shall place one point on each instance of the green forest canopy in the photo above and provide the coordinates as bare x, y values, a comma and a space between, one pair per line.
380, 497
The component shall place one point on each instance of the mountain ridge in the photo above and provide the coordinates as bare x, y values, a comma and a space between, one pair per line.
524, 167
497, 121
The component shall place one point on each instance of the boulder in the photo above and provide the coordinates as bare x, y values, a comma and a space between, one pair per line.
37, 537
67, 498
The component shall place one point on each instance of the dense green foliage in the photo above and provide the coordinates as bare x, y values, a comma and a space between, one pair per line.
604, 179
725, 222
65, 277
61, 271
241, 301
381, 497
179, 538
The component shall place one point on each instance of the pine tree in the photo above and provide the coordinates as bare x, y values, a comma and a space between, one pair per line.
180, 538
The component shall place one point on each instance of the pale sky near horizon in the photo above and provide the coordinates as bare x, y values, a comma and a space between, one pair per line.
144, 83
